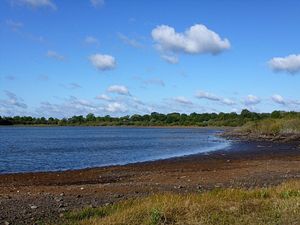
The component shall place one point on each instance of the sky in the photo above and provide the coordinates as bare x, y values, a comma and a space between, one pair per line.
62, 58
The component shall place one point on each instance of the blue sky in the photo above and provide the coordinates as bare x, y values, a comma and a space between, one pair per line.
60, 58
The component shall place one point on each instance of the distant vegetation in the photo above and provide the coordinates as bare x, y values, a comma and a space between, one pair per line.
282, 126
275, 121
276, 205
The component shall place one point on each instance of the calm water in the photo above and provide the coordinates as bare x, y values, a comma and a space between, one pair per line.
24, 149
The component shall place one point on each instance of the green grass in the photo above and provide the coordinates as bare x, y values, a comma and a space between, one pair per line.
276, 205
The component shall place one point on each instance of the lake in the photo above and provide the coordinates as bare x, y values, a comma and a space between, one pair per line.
31, 149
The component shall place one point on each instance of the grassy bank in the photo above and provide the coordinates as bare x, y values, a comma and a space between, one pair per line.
275, 205
273, 126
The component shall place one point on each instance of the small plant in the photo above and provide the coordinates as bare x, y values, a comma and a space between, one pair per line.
87, 213
155, 217
264, 194
290, 194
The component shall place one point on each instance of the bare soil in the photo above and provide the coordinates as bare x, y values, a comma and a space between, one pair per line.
30, 198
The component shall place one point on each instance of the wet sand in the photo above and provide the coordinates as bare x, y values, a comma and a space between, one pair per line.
31, 197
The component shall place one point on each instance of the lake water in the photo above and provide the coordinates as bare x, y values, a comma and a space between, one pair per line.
27, 149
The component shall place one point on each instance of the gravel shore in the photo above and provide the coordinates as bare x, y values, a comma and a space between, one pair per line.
33, 197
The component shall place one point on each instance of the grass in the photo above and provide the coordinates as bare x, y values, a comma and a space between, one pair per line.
282, 126
276, 205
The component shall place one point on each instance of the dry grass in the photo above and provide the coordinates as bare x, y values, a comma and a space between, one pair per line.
272, 127
277, 205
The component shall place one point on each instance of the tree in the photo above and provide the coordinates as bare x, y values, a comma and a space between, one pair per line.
90, 117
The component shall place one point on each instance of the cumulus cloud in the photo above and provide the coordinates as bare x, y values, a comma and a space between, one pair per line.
69, 107
227, 101
173, 59
75, 106
12, 105
118, 89
35, 3
132, 42
290, 103
116, 107
289, 64
103, 97
183, 100
212, 97
278, 99
252, 100
55, 55
197, 39
90, 40
103, 62
207, 95
97, 3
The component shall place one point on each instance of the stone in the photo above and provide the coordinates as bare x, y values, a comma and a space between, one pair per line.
57, 199
33, 207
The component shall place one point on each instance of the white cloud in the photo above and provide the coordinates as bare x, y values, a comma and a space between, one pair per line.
196, 39
116, 107
35, 3
69, 107
103, 62
207, 95
14, 25
132, 42
183, 100
278, 99
173, 59
227, 101
103, 97
118, 89
289, 64
12, 103
97, 3
80, 102
212, 97
290, 103
17, 27
252, 100
91, 40
55, 55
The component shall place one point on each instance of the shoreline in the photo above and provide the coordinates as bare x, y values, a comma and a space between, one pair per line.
291, 138
168, 158
120, 165
122, 126
43, 196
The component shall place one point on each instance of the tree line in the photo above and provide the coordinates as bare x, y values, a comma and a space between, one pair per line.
154, 119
